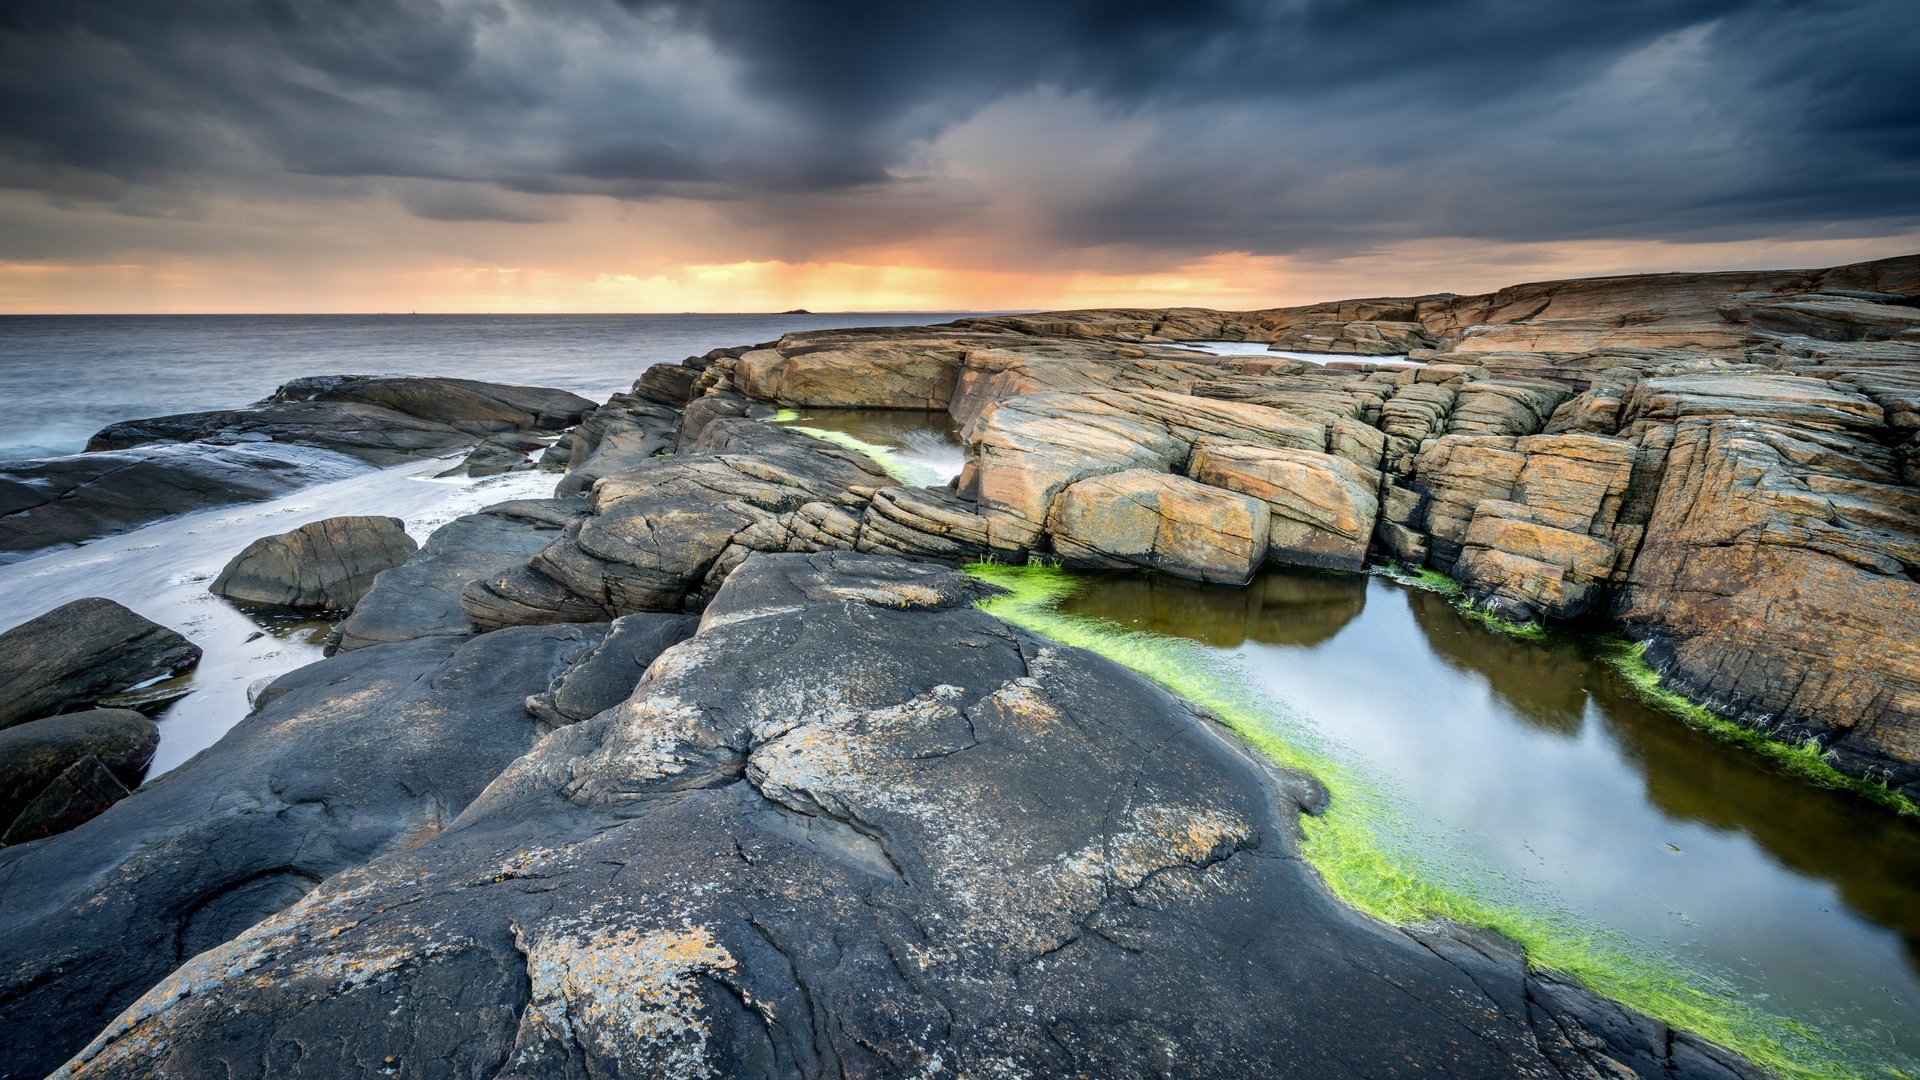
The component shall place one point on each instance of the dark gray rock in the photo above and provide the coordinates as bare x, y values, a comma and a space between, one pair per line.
325, 565
350, 758
34, 754
659, 534
616, 437
856, 827
77, 652
379, 419
83, 791
468, 404
421, 597
607, 677
498, 454
59, 502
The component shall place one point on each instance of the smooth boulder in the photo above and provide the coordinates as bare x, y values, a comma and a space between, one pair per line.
35, 754
79, 651
323, 565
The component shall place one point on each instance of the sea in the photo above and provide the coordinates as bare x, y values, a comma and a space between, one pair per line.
64, 377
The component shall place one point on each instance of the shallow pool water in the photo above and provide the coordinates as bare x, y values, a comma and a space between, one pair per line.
919, 448
1531, 775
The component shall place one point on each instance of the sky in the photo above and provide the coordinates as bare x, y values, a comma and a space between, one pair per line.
756, 155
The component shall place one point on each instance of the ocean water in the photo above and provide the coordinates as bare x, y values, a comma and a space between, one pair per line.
67, 376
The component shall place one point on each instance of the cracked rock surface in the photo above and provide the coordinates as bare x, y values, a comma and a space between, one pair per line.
905, 839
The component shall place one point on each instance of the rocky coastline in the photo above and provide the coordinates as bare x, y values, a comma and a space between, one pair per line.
710, 764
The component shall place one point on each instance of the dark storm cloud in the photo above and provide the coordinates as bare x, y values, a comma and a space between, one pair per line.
1263, 126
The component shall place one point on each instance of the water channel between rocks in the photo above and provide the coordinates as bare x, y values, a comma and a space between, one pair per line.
1531, 777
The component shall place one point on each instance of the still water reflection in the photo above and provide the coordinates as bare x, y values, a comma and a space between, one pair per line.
1541, 774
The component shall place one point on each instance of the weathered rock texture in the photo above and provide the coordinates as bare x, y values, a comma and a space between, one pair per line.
77, 652
383, 420
1726, 464
35, 755
985, 854
59, 502
325, 565
421, 597
344, 760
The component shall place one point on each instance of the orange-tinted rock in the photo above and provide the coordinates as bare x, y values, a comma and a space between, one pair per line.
1166, 523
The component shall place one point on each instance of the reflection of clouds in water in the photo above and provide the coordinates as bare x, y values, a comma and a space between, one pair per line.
1530, 774
162, 572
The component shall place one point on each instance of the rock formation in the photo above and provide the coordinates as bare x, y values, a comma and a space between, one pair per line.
78, 652
965, 860
310, 431
38, 755
325, 565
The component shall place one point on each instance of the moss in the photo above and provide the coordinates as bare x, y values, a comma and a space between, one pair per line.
1433, 581
1370, 852
1806, 760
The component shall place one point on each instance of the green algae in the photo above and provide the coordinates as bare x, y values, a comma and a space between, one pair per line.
1369, 853
1433, 581
1806, 760
898, 468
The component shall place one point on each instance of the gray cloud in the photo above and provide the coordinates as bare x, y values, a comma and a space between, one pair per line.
1263, 126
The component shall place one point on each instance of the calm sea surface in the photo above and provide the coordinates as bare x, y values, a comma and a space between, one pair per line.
66, 376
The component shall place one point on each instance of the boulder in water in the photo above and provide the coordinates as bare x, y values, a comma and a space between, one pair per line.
324, 565
77, 652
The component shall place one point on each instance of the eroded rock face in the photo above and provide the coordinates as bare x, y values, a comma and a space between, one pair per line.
657, 534
59, 502
325, 565
1778, 578
344, 760
1162, 522
960, 862
379, 419
77, 652
1322, 507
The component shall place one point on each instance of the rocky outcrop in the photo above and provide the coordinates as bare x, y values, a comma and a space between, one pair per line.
604, 677
498, 454
1322, 507
421, 597
1151, 519
78, 652
60, 502
35, 755
1532, 526
960, 861
655, 536
360, 755
310, 431
616, 437
1778, 579
325, 565
383, 420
